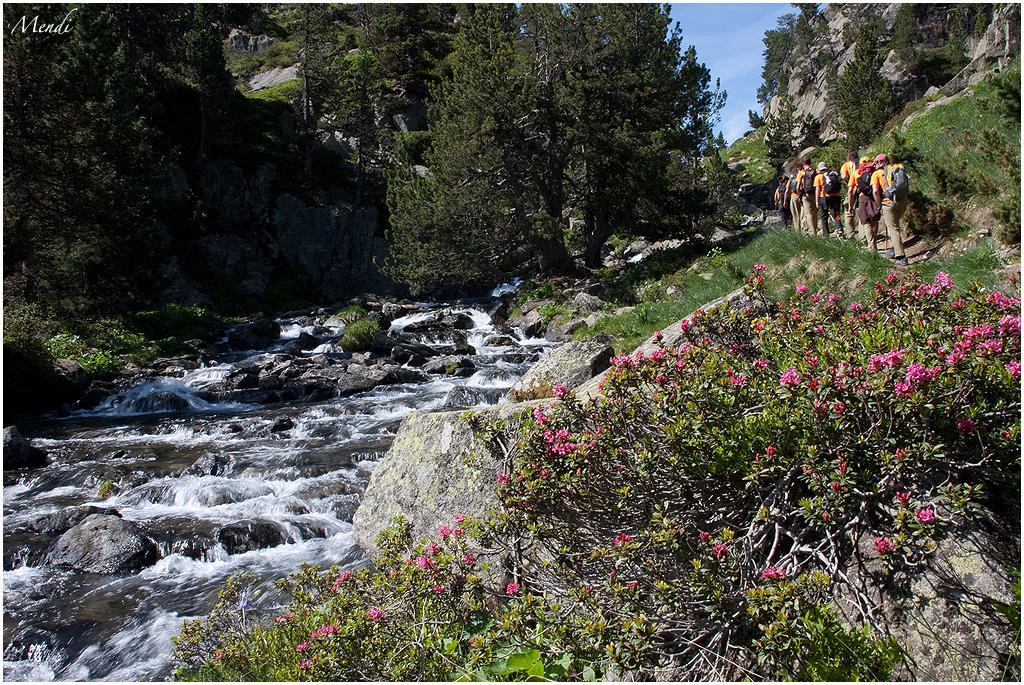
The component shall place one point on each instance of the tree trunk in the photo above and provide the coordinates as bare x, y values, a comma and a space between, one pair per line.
598, 232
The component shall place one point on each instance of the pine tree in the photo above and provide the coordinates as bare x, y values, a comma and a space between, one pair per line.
904, 33
77, 224
204, 57
461, 221
778, 137
864, 96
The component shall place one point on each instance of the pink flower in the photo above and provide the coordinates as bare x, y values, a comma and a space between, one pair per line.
424, 562
1001, 301
285, 618
925, 515
323, 631
801, 289
761, 363
439, 589
773, 573
770, 450
622, 539
658, 335
1009, 325
891, 278
965, 425
903, 388
839, 407
1014, 368
512, 589
703, 536
903, 498
539, 416
559, 391
719, 550
884, 545
503, 479
468, 558
301, 647
943, 280
917, 373
790, 377
459, 519
375, 614
760, 268
444, 531
305, 664
836, 486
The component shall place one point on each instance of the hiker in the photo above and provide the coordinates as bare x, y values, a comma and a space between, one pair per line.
891, 188
794, 200
848, 173
868, 210
828, 191
782, 198
808, 208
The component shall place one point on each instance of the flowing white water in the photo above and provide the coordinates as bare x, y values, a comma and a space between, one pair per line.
216, 489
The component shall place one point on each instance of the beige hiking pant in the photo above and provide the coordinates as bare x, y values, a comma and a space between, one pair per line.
794, 210
809, 215
851, 225
892, 215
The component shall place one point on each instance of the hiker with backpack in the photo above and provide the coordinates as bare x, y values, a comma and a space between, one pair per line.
891, 187
794, 199
868, 209
828, 190
848, 173
805, 190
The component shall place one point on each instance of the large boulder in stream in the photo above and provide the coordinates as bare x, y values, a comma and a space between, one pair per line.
104, 543
254, 335
571, 365
61, 521
18, 453
437, 467
245, 536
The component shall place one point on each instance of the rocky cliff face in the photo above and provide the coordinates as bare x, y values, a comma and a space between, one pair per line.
260, 229
835, 31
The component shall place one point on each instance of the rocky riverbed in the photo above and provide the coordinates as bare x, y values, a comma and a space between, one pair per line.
252, 455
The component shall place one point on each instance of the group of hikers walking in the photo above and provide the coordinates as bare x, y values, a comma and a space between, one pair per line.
865, 192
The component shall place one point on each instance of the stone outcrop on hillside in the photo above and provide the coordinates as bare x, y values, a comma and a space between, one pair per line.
808, 89
248, 42
333, 248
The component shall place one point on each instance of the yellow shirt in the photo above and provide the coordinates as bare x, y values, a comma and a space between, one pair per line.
819, 182
849, 173
878, 182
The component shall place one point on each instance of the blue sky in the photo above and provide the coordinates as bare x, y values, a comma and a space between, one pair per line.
728, 40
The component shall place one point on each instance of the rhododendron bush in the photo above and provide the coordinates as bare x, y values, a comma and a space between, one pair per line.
780, 441
731, 505
422, 613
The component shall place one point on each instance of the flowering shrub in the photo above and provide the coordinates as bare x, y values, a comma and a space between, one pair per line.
808, 438
422, 614
706, 515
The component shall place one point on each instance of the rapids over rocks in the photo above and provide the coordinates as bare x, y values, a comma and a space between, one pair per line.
219, 470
